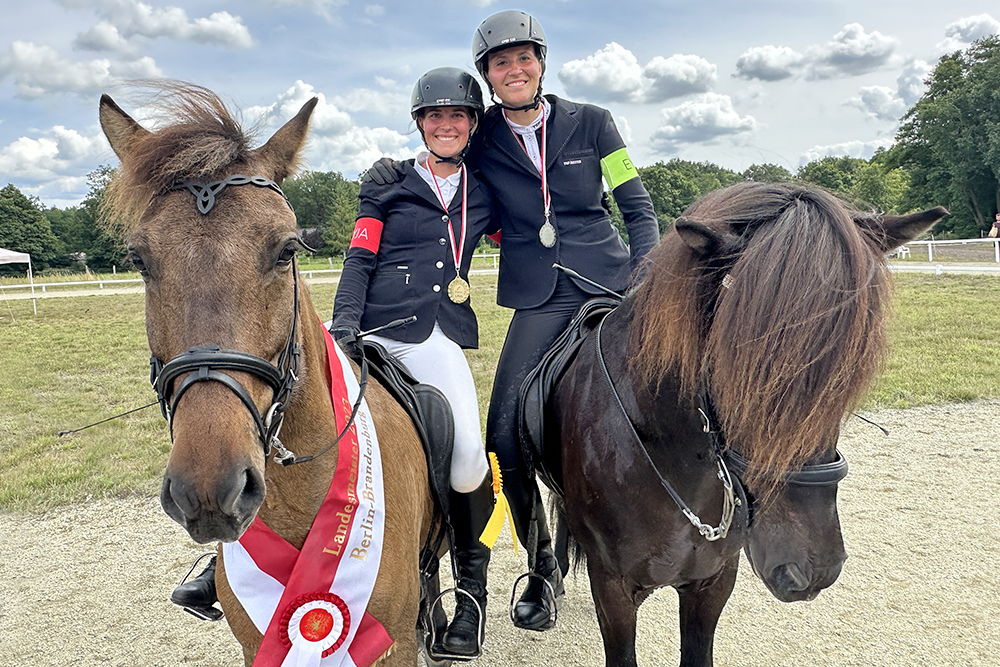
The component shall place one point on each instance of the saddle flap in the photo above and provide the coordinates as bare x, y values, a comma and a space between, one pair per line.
541, 381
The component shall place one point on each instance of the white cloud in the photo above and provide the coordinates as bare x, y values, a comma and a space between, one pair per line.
374, 10
885, 104
858, 149
879, 102
708, 117
103, 37
964, 31
769, 63
58, 155
613, 74
335, 142
610, 74
39, 70
910, 82
125, 19
852, 52
677, 76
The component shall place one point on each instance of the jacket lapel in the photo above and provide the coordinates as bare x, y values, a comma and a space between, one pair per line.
504, 139
561, 127
414, 182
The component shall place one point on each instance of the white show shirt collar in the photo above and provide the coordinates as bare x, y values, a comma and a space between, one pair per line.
527, 134
449, 184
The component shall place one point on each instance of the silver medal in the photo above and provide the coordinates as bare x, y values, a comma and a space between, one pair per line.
547, 234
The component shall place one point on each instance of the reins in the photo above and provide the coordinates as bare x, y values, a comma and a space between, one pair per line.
729, 499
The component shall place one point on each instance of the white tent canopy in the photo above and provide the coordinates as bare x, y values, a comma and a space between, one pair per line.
11, 257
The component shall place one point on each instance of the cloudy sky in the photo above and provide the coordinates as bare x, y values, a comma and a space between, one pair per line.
736, 83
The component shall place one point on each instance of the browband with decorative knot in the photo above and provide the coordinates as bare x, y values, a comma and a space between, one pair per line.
205, 194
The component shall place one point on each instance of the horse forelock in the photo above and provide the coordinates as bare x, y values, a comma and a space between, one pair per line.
198, 139
795, 339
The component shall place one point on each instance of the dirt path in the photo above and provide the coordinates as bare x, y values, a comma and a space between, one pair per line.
88, 585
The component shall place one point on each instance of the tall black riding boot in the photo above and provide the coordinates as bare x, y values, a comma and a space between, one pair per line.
198, 592
539, 603
469, 514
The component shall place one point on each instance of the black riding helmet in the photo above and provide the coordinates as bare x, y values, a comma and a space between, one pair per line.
505, 29
448, 87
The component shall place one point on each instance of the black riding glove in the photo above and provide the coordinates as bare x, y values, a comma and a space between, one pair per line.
383, 172
347, 339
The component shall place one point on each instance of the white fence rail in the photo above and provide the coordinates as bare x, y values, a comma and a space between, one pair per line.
930, 246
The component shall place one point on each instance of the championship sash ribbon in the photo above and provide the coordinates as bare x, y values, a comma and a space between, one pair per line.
310, 605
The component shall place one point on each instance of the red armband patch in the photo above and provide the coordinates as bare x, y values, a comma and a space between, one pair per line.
367, 234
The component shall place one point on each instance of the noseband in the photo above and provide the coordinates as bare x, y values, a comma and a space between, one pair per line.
209, 363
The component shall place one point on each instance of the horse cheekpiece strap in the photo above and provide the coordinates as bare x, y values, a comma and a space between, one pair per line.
205, 194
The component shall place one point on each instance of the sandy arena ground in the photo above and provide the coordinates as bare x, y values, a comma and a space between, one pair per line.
88, 585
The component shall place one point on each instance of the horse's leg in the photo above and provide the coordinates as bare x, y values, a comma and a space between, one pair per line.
243, 629
616, 601
701, 604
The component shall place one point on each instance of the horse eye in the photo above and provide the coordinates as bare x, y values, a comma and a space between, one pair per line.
138, 264
287, 255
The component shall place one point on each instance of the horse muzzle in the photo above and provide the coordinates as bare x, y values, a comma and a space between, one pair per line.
223, 512
797, 582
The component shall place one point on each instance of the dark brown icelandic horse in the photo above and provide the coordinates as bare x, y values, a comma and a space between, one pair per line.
227, 279
758, 325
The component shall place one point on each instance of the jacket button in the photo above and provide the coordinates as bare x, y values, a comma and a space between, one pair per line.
445, 218
442, 241
440, 265
436, 288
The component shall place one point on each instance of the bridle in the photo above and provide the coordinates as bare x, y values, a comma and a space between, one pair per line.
210, 363
731, 465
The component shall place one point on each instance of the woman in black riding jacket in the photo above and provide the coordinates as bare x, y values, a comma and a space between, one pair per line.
544, 158
410, 255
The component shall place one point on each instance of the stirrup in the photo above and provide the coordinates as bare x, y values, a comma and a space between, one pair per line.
552, 598
430, 644
211, 613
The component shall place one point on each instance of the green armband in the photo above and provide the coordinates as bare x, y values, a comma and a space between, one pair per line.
618, 168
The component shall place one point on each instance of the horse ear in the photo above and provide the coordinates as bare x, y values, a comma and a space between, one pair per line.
281, 151
895, 230
699, 237
122, 131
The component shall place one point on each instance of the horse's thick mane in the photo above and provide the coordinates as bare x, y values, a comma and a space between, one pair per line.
795, 339
198, 138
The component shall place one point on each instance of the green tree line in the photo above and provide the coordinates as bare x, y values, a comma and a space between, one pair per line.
947, 152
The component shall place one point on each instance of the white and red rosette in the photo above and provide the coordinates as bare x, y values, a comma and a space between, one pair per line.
314, 626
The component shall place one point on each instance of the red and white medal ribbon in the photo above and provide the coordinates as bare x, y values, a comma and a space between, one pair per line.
547, 234
458, 250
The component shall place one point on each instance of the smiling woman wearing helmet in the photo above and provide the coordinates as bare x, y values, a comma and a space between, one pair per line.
410, 255
544, 158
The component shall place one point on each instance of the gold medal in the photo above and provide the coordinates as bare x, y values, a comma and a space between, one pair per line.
458, 290
547, 234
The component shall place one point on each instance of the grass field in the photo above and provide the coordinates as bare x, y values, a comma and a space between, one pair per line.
82, 359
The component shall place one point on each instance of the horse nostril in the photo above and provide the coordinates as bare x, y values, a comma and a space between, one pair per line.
252, 493
789, 577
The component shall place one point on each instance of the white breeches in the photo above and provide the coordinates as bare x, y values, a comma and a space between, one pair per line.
439, 361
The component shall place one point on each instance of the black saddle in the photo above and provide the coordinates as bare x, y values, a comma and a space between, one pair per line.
428, 409
534, 421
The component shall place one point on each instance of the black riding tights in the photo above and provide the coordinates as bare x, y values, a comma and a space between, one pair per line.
529, 336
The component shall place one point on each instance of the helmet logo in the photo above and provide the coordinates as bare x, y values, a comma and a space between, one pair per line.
443, 101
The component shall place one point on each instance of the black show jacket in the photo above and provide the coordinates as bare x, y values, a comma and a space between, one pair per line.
578, 137
410, 273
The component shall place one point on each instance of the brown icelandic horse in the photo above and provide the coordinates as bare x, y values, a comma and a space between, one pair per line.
227, 279
716, 390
